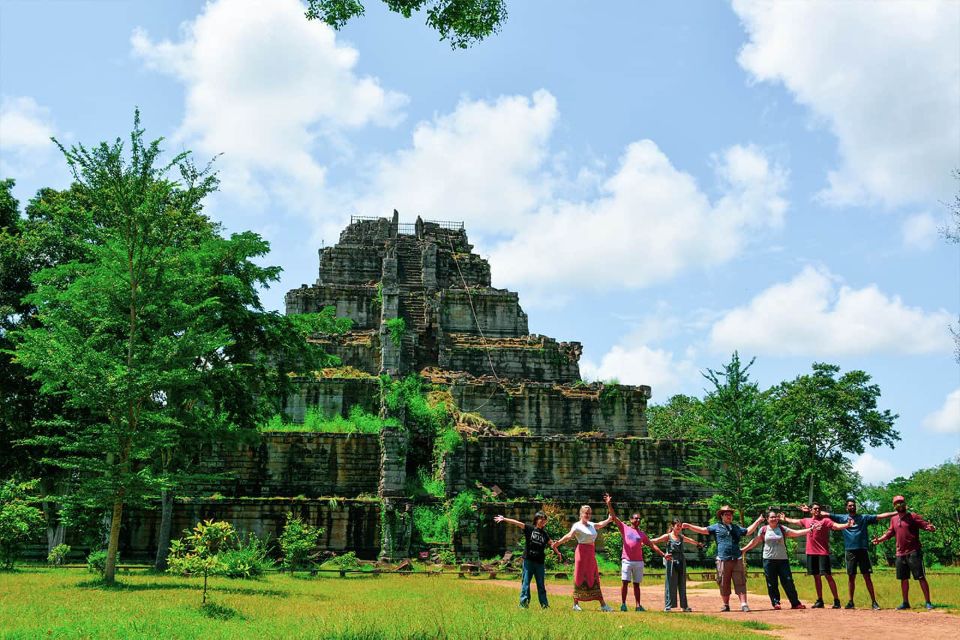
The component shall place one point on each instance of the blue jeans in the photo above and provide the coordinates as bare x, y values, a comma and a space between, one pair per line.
535, 570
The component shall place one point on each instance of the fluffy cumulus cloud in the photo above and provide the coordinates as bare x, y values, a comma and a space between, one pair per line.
25, 131
815, 314
883, 76
484, 163
872, 469
648, 222
632, 361
946, 419
265, 88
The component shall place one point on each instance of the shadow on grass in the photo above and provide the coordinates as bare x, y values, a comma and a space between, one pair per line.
172, 586
757, 625
216, 611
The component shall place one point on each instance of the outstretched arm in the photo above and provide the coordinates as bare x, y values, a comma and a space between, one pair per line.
695, 543
798, 533
610, 510
660, 538
516, 523
652, 545
884, 516
784, 518
756, 523
750, 545
603, 523
701, 530
886, 535
563, 540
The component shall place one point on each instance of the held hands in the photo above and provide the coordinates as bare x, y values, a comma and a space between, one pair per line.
668, 557
700, 545
875, 540
804, 508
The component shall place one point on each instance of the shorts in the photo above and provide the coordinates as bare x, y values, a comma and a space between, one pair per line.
858, 559
818, 565
912, 563
731, 572
631, 571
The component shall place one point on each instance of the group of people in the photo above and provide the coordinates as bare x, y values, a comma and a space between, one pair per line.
768, 530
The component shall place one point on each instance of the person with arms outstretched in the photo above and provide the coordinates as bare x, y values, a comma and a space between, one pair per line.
536, 540
730, 567
776, 562
906, 527
818, 550
675, 580
631, 557
586, 573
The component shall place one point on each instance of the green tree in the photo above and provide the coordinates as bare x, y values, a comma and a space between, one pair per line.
118, 337
738, 439
201, 551
822, 418
681, 418
20, 520
461, 22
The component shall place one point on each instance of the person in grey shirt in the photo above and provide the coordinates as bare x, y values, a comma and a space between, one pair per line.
776, 562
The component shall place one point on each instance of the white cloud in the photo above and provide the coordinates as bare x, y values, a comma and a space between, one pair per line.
266, 87
815, 315
649, 222
919, 231
874, 470
883, 76
483, 164
631, 361
946, 419
25, 131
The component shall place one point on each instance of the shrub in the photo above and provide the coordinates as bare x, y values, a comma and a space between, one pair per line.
58, 554
298, 543
612, 544
433, 523
247, 560
432, 485
199, 552
397, 327
97, 561
346, 560
19, 519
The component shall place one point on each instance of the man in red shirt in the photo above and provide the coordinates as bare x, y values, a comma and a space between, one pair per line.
906, 527
818, 550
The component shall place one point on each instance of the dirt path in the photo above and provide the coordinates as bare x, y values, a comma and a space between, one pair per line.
795, 625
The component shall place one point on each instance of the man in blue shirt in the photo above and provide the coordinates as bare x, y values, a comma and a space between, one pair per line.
729, 558
856, 541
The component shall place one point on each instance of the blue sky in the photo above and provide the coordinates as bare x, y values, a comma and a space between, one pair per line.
665, 182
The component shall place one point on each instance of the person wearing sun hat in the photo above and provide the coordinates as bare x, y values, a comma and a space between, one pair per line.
730, 567
906, 527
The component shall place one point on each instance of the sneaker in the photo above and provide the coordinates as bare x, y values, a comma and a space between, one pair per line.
640, 608
623, 607
606, 607
524, 606
836, 604
817, 605
744, 608
929, 605
576, 607
725, 608
903, 605
798, 606
849, 605
776, 607
687, 609
875, 606
666, 609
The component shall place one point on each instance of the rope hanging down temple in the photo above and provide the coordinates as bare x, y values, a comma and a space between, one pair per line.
476, 320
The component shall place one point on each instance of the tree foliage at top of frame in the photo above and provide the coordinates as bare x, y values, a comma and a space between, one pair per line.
462, 23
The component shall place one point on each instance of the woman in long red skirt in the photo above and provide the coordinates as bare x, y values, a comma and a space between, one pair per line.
586, 574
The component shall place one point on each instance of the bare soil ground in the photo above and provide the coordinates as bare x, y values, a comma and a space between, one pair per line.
801, 624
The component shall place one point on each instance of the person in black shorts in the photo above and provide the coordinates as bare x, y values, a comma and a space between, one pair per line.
906, 527
534, 556
856, 541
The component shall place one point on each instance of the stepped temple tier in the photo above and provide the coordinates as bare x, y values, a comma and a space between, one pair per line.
477, 416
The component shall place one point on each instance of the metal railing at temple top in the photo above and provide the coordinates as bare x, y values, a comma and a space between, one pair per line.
410, 227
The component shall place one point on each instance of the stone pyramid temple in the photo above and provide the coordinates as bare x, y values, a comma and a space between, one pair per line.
422, 303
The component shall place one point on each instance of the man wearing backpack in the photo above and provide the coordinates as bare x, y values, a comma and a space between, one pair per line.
906, 527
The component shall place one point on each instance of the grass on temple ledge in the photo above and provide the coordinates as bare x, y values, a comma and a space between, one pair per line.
60, 603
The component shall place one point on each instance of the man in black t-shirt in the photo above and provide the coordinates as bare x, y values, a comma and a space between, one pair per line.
536, 540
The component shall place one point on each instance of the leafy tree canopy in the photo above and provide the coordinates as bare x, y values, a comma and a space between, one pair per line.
461, 22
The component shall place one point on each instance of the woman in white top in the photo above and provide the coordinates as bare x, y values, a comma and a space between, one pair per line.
586, 574
776, 562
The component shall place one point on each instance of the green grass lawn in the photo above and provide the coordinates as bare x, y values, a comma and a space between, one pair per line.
52, 603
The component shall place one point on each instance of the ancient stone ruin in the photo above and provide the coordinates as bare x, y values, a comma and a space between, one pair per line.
530, 430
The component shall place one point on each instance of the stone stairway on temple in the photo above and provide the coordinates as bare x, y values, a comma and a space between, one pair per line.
410, 279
